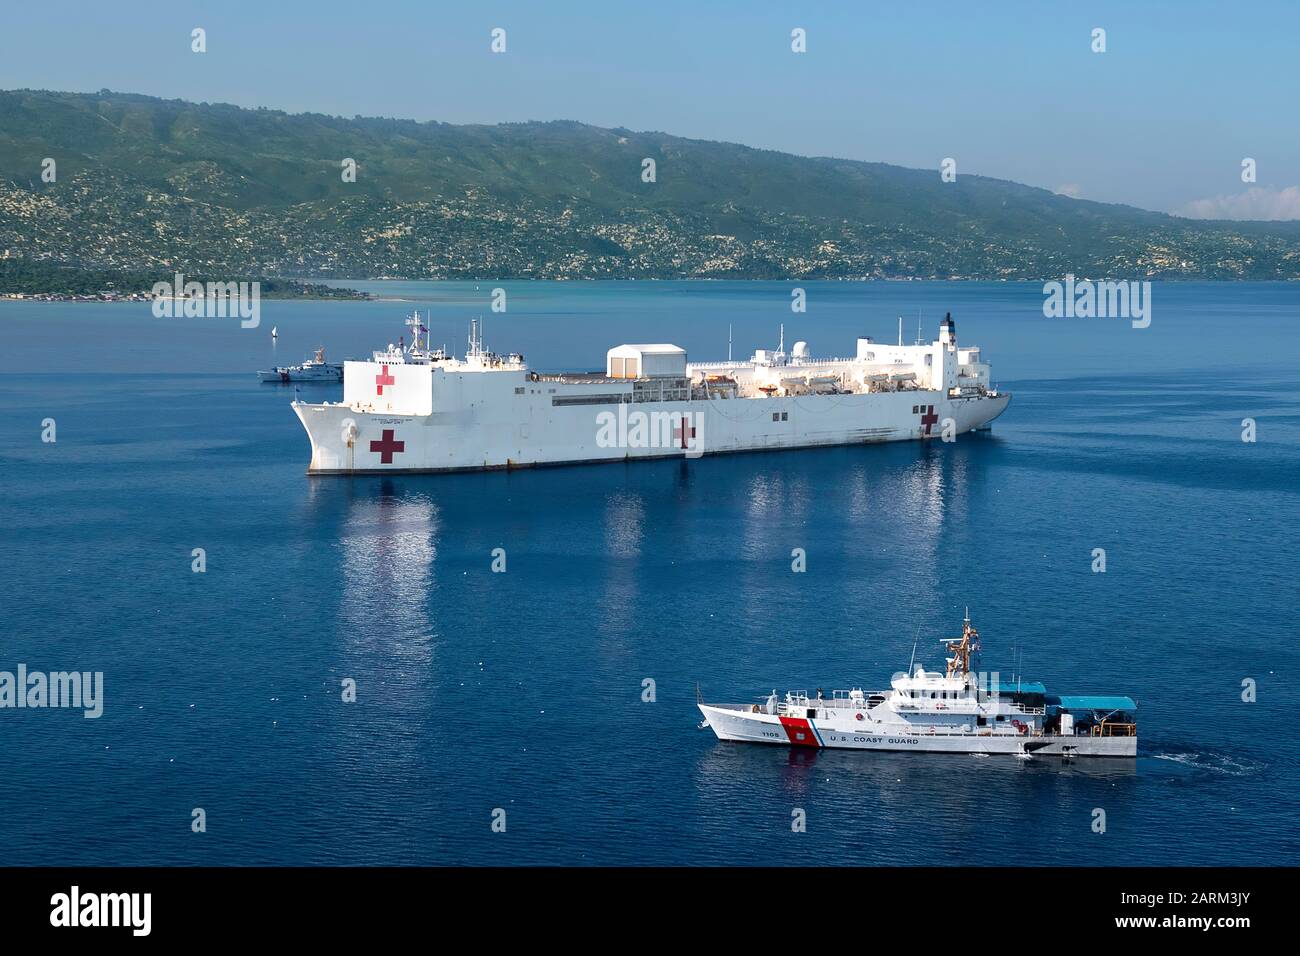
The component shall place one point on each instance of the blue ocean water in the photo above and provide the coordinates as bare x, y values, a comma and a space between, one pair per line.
523, 690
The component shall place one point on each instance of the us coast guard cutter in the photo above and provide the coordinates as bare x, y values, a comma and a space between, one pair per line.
952, 712
418, 409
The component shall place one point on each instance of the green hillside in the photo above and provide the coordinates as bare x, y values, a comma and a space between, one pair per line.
145, 183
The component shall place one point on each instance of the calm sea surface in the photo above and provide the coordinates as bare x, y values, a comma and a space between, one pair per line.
523, 691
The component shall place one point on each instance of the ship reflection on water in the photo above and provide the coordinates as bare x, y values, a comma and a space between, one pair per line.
388, 544
795, 769
624, 520
858, 804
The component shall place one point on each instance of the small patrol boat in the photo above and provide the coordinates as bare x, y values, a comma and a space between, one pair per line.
313, 370
958, 711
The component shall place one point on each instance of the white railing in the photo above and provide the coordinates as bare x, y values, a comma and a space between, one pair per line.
828, 703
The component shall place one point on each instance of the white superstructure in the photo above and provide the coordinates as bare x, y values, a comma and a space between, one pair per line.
954, 711
417, 409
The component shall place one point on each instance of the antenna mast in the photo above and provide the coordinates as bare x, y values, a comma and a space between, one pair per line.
414, 324
963, 648
475, 338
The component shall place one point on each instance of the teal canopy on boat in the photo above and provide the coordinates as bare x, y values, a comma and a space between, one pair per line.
1021, 687
1088, 702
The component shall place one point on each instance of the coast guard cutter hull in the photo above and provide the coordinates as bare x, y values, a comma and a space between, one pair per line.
836, 727
419, 410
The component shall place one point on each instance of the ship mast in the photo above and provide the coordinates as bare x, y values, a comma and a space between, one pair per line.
962, 649
415, 325
475, 339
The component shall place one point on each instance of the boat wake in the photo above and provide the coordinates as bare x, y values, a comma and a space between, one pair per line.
1212, 762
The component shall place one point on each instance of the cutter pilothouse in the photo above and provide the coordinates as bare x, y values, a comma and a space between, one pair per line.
419, 409
953, 711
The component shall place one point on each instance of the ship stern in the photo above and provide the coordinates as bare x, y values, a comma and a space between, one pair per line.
990, 408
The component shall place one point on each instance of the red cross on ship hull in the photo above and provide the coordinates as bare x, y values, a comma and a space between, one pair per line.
387, 447
929, 418
683, 433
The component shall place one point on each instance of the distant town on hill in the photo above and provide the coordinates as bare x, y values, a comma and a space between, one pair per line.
143, 187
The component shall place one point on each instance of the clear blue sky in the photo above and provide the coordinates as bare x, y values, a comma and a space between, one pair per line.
1162, 120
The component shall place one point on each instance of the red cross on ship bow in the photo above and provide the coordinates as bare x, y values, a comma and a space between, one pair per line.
382, 379
387, 447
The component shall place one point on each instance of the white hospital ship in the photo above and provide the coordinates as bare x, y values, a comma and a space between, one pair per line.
956, 711
418, 409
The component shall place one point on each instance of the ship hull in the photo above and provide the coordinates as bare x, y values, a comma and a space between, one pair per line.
290, 376
740, 723
351, 439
